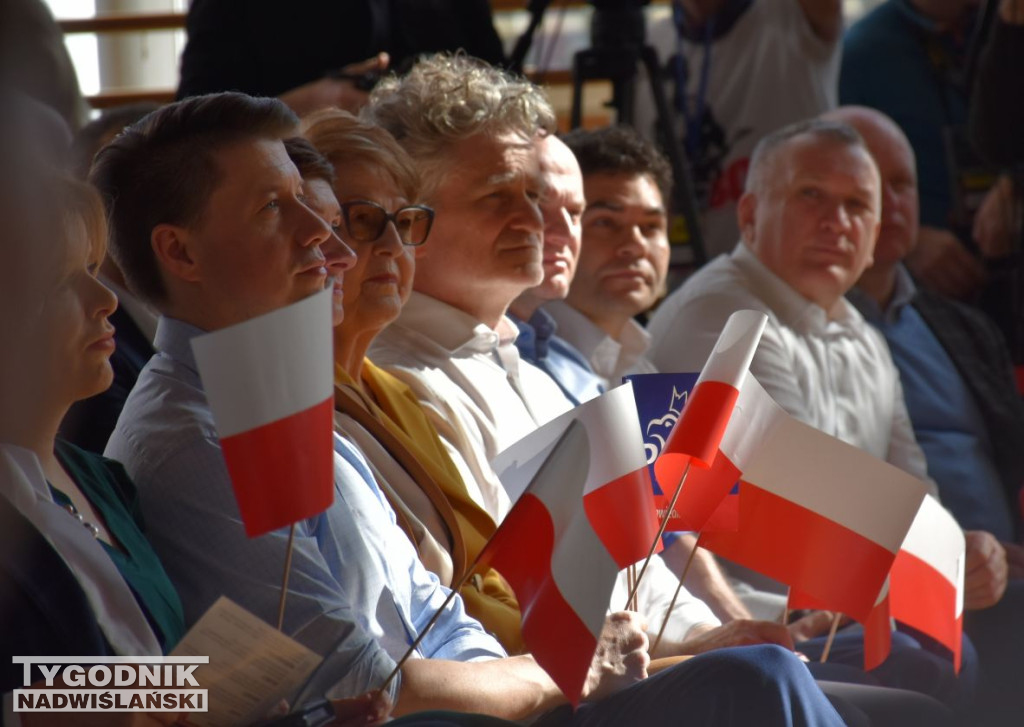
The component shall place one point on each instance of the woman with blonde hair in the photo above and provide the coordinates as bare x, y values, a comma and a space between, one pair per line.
77, 575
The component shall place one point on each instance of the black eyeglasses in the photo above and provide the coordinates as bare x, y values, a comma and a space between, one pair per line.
366, 221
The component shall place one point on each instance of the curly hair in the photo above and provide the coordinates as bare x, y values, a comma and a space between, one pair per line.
446, 98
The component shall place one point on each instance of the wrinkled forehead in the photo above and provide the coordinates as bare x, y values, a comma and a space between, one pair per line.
511, 157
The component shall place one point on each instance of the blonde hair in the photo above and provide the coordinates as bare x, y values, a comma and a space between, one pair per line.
80, 203
446, 98
346, 140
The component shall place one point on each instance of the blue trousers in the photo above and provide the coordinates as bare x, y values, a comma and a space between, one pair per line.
767, 686
998, 634
909, 666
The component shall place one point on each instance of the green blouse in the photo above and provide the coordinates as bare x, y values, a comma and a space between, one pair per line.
112, 494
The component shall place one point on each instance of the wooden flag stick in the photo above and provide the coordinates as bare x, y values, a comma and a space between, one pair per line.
284, 580
437, 614
785, 611
661, 531
831, 636
672, 604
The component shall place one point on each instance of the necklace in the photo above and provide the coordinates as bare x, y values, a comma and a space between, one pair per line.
69, 507
73, 512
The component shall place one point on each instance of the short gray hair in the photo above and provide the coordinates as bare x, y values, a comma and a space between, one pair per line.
446, 98
765, 151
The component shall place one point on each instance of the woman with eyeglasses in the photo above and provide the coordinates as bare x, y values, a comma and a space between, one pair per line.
377, 186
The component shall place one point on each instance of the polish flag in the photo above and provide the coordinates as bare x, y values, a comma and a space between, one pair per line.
877, 628
269, 382
698, 433
704, 502
617, 494
561, 572
817, 514
927, 580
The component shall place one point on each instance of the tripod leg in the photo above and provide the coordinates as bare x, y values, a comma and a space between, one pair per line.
685, 198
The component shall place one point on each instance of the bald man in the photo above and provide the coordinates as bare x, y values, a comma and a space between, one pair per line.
967, 416
561, 204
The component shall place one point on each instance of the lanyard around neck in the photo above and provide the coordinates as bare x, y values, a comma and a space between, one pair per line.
694, 117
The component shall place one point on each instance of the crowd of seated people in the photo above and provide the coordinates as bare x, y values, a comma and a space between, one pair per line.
487, 276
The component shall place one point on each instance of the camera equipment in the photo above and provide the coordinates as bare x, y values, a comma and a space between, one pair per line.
618, 37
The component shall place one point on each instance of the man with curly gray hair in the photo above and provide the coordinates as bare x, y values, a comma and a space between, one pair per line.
470, 129
473, 131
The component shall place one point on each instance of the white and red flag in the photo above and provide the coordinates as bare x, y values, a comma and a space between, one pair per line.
703, 421
269, 382
561, 572
617, 494
927, 579
704, 503
816, 513
877, 628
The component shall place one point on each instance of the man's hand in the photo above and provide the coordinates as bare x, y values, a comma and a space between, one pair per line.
941, 263
813, 624
369, 709
993, 224
1014, 560
986, 570
736, 633
621, 658
334, 92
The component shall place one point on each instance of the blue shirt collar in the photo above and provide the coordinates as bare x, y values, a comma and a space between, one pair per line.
902, 296
174, 338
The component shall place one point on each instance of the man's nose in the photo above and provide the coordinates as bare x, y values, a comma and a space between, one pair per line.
633, 244
338, 256
557, 223
528, 216
836, 216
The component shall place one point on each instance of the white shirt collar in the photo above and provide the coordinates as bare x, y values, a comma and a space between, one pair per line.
453, 329
791, 308
609, 357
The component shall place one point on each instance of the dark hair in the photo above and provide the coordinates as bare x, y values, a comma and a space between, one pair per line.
161, 170
308, 160
620, 150
94, 135
766, 148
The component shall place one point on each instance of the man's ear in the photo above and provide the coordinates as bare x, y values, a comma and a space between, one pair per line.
874, 243
172, 246
746, 215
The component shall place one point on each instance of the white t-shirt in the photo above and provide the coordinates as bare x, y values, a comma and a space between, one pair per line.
768, 71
